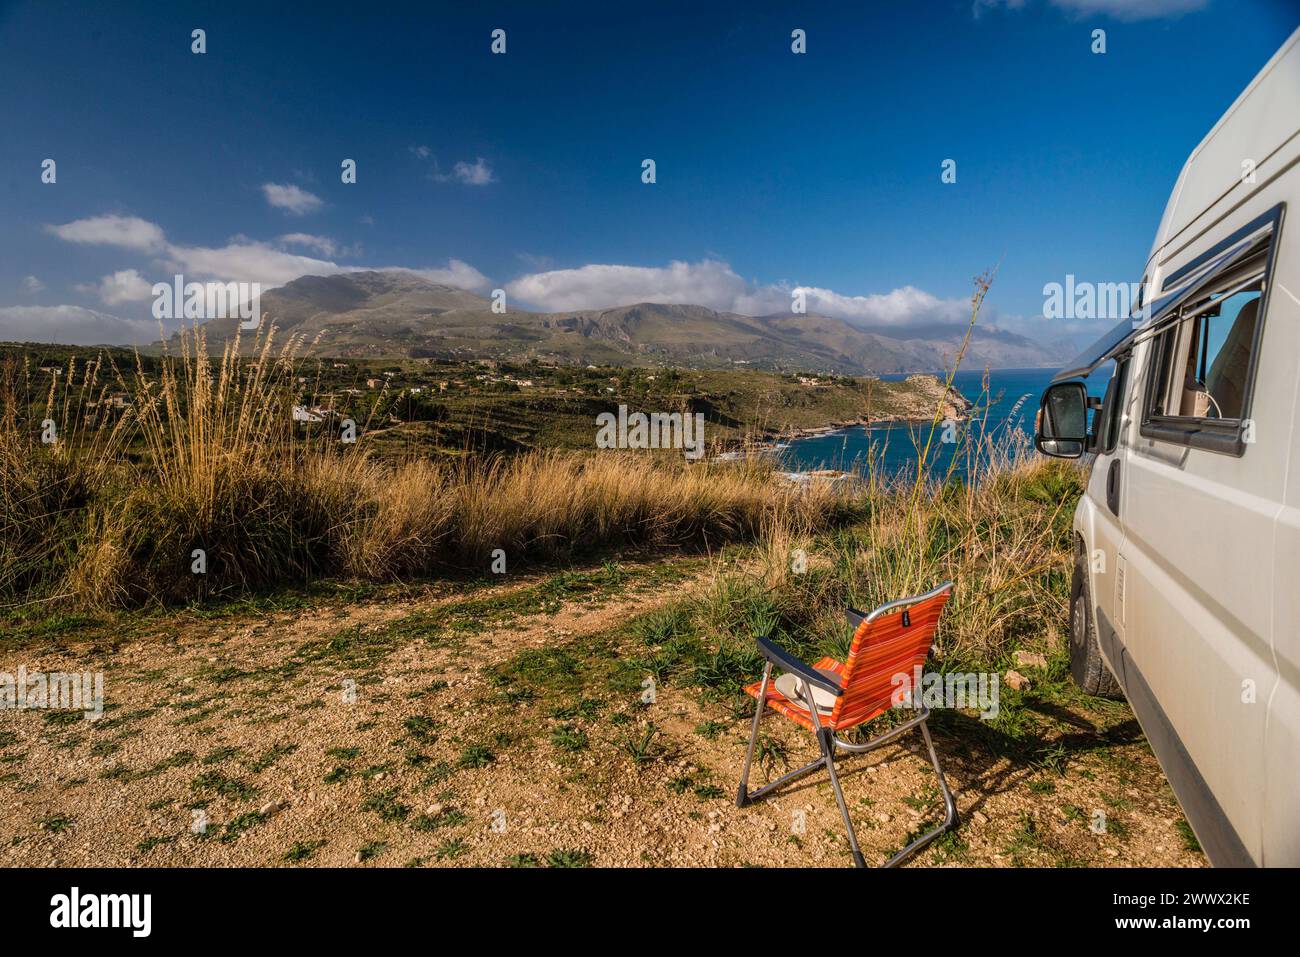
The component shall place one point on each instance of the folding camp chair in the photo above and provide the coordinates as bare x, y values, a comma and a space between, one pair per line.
831, 697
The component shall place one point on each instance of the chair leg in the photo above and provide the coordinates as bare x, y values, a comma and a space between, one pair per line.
950, 817
827, 739
742, 794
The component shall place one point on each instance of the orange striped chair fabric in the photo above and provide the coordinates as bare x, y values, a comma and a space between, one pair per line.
882, 649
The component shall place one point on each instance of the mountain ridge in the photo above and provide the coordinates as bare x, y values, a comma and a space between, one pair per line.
395, 313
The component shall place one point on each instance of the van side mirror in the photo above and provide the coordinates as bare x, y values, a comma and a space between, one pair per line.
1062, 426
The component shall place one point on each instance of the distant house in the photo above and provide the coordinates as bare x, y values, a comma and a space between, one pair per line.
373, 383
52, 370
302, 413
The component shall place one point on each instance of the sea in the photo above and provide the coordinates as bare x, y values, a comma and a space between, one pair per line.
1004, 413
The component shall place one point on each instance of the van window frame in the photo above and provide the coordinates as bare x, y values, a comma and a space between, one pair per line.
1222, 436
1111, 413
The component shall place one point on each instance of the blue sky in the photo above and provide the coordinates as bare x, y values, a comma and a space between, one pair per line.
523, 170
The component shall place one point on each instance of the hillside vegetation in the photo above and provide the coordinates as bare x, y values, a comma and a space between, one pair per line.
419, 407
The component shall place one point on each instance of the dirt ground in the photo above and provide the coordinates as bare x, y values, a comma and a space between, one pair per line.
409, 729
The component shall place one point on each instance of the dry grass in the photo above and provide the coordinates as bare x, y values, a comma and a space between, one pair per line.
206, 465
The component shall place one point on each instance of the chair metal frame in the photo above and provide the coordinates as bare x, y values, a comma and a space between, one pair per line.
829, 742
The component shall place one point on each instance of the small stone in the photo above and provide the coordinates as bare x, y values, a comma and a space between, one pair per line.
433, 810
1030, 659
1016, 680
979, 818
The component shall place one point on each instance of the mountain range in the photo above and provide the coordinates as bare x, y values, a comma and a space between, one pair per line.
393, 313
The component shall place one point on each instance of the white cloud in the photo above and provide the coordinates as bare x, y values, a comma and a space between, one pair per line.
246, 261
291, 199
240, 260
707, 283
457, 273
1131, 9
322, 244
32, 285
423, 152
714, 284
901, 307
125, 285
477, 173
1119, 9
129, 232
73, 325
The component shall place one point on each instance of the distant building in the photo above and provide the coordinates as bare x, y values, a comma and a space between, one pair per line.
302, 413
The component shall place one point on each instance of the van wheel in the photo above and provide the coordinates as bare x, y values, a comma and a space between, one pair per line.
1088, 670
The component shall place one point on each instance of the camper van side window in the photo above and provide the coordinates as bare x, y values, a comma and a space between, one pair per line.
1202, 360
1202, 370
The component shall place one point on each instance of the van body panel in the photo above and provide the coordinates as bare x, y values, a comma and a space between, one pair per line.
1203, 634
1221, 842
1201, 578
1263, 119
1281, 822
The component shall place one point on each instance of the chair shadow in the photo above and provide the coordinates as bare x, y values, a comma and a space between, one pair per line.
969, 748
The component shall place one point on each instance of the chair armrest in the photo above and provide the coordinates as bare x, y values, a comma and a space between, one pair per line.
854, 617
788, 662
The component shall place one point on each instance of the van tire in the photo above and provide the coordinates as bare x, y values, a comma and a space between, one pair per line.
1086, 665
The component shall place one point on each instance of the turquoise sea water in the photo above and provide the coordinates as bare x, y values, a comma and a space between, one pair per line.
1011, 403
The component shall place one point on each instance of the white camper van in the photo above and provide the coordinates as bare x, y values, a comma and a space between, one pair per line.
1186, 594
